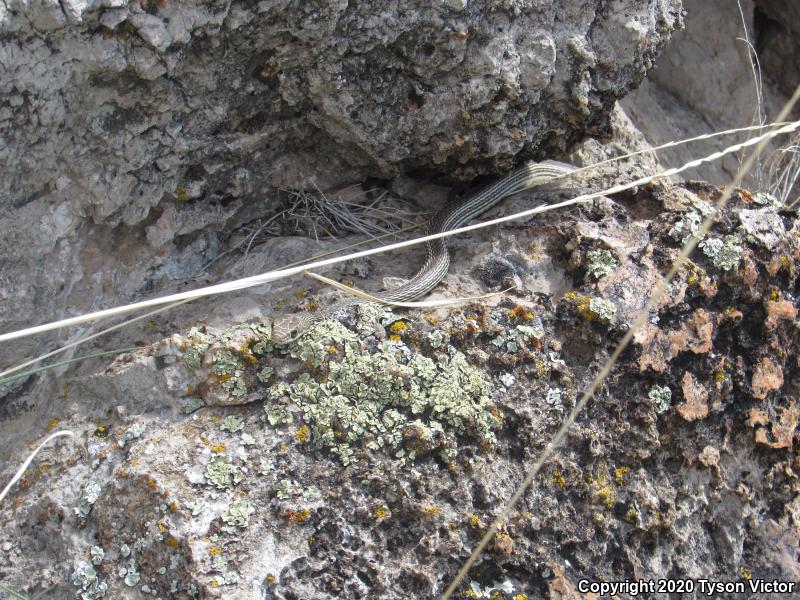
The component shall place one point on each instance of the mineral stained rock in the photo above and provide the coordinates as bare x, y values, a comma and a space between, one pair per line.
367, 459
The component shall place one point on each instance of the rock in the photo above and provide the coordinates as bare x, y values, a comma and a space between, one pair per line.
392, 447
123, 115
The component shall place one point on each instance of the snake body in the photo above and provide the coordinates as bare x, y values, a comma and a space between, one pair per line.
437, 263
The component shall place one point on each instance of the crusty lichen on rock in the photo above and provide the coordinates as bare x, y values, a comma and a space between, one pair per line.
222, 473
374, 396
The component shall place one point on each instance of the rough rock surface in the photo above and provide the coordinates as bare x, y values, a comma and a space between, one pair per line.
134, 136
777, 39
704, 81
684, 464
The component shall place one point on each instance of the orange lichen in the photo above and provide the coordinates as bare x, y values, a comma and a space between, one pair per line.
779, 310
297, 516
520, 313
767, 377
696, 396
782, 431
503, 543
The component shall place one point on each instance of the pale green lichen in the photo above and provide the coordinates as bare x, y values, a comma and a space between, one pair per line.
238, 513
133, 432
534, 331
230, 369
554, 395
230, 353
286, 488
370, 396
767, 199
89, 496
724, 254
197, 507
277, 412
264, 374
89, 586
507, 379
314, 346
224, 576
601, 263
435, 339
222, 473
200, 343
687, 227
190, 404
97, 554
263, 341
370, 315
603, 309
232, 424
661, 395
130, 573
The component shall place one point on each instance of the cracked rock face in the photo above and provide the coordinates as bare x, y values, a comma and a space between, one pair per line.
176, 116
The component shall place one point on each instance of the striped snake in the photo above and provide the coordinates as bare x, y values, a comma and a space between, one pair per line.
452, 216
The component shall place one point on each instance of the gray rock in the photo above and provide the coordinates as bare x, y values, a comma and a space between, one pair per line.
122, 115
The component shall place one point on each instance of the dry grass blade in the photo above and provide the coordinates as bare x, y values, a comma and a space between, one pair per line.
421, 304
274, 275
21, 471
312, 212
784, 172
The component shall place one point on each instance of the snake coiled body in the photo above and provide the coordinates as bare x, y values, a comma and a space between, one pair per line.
437, 263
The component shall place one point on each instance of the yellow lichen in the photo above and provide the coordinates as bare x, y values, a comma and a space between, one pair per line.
53, 423
558, 478
302, 434
619, 474
298, 516
398, 327
214, 551
381, 512
605, 489
218, 448
180, 193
